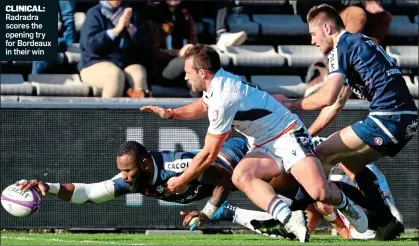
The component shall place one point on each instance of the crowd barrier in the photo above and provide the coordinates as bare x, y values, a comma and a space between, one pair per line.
75, 140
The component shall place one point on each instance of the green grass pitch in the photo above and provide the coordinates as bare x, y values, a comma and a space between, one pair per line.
9, 238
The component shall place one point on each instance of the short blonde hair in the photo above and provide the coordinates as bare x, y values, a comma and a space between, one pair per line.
327, 12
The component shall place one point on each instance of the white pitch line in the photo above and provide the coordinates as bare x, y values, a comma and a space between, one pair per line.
64, 241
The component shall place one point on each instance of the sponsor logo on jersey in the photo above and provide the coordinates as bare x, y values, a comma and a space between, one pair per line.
333, 60
411, 129
177, 166
378, 141
214, 115
193, 195
160, 189
358, 90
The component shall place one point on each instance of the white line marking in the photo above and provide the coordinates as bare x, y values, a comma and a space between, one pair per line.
65, 241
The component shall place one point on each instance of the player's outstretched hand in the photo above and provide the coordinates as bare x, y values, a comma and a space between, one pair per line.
38, 185
194, 219
160, 111
283, 100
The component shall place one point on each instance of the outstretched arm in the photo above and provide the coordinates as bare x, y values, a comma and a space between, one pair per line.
326, 96
77, 193
192, 111
329, 113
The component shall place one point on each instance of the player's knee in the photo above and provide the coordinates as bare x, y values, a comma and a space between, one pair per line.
241, 180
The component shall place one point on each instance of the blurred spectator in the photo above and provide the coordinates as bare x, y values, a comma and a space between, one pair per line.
66, 11
369, 17
115, 42
378, 21
224, 38
174, 32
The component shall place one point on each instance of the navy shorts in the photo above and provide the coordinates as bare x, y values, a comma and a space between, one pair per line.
234, 149
388, 134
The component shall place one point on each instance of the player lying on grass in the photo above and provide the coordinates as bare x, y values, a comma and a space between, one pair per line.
147, 173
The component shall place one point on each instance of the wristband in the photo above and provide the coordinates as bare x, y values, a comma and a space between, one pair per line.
331, 217
209, 210
54, 188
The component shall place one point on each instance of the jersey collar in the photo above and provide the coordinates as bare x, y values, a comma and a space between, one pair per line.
217, 74
340, 35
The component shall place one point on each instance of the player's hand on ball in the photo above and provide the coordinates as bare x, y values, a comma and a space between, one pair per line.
160, 111
38, 185
194, 219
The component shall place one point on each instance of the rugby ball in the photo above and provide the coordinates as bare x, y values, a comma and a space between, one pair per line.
20, 203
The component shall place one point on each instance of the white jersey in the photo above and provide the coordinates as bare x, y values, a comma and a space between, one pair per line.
252, 112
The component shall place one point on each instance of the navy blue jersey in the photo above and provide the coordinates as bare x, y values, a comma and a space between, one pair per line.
371, 73
169, 164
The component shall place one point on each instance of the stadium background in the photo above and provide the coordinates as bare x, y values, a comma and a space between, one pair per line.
76, 142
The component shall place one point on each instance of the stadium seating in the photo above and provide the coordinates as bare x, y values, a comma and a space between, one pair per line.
11, 78
300, 55
405, 56
402, 27
413, 86
404, 7
224, 58
79, 18
58, 85
278, 44
281, 25
241, 22
255, 56
14, 84
73, 53
290, 86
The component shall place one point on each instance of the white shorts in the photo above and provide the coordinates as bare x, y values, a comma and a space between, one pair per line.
289, 148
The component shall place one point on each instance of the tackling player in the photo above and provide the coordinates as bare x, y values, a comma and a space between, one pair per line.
280, 141
358, 64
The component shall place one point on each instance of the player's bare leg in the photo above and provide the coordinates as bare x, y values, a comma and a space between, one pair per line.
309, 173
346, 147
250, 175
